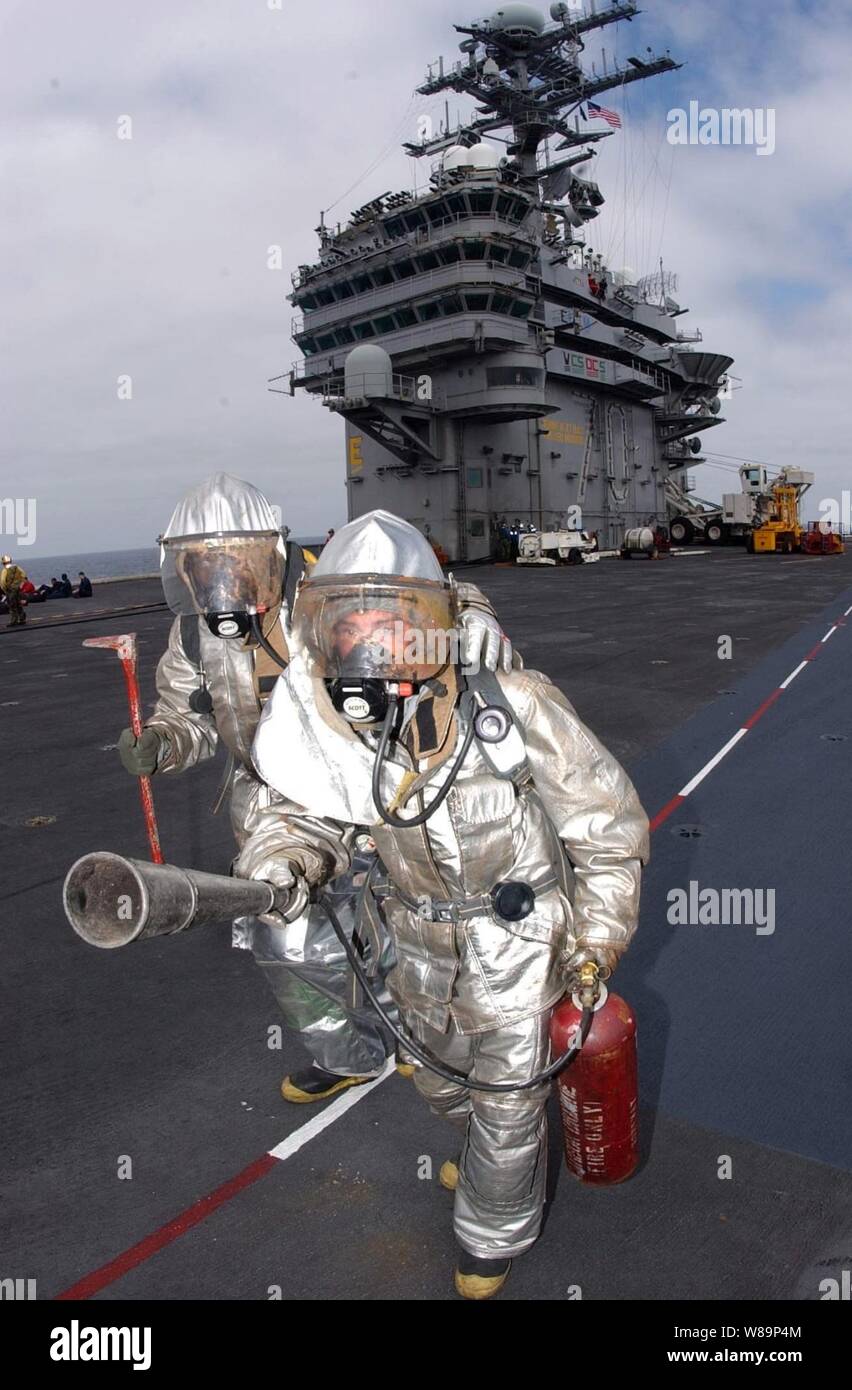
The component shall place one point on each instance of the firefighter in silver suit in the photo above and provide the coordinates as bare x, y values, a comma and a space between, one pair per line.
510, 858
230, 576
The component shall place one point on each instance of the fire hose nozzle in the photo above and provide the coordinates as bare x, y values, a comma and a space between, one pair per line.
111, 901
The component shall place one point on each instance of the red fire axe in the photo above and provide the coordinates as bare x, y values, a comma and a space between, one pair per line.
125, 648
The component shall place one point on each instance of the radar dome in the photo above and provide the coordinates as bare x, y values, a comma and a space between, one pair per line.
368, 371
518, 19
455, 157
484, 156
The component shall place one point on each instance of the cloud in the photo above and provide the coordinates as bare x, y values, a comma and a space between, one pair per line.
148, 256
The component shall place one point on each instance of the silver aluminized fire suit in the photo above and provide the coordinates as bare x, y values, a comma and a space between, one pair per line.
476, 990
305, 967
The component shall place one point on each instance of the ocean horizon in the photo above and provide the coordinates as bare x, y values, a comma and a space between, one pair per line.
104, 564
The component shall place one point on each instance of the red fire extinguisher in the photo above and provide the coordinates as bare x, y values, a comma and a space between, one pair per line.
598, 1091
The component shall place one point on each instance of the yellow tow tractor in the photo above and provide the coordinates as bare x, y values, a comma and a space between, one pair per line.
778, 527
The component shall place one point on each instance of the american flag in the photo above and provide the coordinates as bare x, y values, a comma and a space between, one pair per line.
602, 113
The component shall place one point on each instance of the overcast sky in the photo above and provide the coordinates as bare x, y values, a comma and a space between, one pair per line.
147, 256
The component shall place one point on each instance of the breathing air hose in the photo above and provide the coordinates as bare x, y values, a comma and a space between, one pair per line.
388, 816
415, 1048
257, 634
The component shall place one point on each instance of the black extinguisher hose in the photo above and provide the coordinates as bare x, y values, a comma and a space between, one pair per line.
415, 1048
389, 817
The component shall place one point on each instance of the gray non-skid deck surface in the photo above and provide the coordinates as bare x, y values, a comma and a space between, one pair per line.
160, 1052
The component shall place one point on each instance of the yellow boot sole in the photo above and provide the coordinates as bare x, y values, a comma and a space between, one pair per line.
298, 1097
476, 1287
448, 1177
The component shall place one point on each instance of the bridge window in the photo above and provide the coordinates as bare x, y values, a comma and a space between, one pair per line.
477, 301
385, 324
405, 317
362, 283
344, 336
326, 341
449, 254
364, 330
436, 212
415, 219
501, 303
382, 275
515, 376
428, 311
451, 304
404, 269
480, 201
474, 477
427, 260
519, 258
394, 227
474, 250
456, 205
521, 309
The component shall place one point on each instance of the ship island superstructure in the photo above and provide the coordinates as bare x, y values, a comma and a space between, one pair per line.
491, 370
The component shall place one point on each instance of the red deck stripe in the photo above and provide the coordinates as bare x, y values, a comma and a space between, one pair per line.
759, 713
199, 1211
666, 812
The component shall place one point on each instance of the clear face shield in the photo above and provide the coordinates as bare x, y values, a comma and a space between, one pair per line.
376, 629
227, 577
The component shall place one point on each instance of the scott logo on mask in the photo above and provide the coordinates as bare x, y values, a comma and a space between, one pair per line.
229, 624
360, 701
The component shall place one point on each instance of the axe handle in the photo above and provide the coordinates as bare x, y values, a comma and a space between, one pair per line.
128, 665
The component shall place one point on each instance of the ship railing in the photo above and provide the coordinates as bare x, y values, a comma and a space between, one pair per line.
454, 329
624, 372
382, 386
386, 298
301, 277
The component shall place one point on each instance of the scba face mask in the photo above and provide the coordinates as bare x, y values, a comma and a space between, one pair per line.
225, 578
365, 627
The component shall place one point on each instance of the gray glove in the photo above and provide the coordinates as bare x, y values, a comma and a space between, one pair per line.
483, 642
139, 755
295, 892
604, 956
